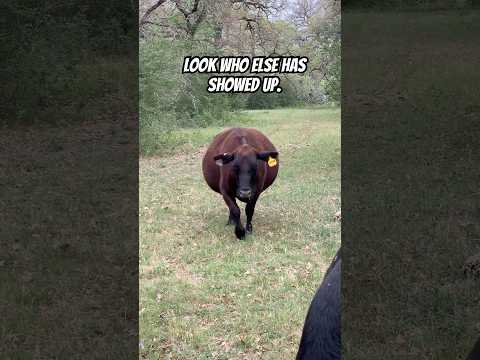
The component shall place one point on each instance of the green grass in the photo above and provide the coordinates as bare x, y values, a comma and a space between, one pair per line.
206, 295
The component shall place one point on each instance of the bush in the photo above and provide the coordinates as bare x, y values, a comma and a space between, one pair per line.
170, 100
260, 100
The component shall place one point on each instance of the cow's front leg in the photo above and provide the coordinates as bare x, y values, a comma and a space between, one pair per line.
249, 209
234, 215
230, 219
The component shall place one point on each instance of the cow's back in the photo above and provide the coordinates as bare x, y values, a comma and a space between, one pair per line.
227, 141
321, 332
475, 353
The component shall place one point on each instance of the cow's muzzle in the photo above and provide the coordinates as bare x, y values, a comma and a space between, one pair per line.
244, 194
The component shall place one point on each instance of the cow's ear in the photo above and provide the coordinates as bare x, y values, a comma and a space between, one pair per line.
265, 155
222, 159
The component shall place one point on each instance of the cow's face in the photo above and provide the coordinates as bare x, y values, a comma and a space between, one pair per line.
244, 168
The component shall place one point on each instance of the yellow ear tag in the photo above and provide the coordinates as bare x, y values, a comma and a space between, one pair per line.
271, 161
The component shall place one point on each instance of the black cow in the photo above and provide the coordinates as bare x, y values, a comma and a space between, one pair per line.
475, 354
321, 337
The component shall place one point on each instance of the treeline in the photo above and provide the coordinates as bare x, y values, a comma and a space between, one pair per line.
171, 30
67, 61
412, 4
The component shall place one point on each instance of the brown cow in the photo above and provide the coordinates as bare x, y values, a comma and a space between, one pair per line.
240, 163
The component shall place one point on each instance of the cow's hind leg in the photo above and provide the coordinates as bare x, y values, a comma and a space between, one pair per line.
249, 209
235, 215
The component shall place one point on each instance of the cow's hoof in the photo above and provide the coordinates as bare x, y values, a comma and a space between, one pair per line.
249, 228
230, 222
240, 233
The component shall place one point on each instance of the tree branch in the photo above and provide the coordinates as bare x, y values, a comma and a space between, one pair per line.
151, 9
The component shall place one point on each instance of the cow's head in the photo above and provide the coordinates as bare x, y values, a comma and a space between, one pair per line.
244, 168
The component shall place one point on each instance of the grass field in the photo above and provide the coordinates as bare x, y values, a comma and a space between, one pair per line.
206, 295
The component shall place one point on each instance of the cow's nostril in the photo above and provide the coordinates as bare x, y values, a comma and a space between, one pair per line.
245, 193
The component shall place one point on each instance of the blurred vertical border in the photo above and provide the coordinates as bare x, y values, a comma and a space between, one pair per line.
69, 180
410, 200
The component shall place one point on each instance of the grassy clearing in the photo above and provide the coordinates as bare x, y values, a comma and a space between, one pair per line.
206, 295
